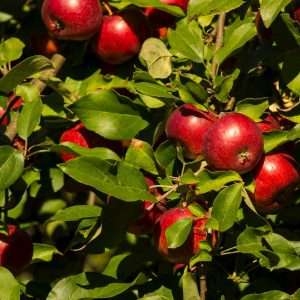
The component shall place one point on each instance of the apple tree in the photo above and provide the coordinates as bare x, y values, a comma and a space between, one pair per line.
149, 149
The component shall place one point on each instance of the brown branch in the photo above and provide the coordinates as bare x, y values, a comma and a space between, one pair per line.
57, 61
202, 281
219, 43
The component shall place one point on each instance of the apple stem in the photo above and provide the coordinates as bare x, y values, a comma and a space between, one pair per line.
107, 8
202, 281
219, 43
57, 60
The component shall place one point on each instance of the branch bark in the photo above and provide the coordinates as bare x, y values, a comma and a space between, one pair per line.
202, 281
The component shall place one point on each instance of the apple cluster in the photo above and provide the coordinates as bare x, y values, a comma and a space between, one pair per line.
116, 36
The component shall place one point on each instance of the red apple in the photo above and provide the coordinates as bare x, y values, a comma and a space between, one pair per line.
15, 249
121, 36
234, 142
44, 44
189, 125
191, 246
79, 135
275, 178
150, 212
296, 14
72, 19
269, 124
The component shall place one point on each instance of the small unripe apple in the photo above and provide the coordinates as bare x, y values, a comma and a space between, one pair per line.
149, 212
15, 249
234, 142
190, 247
121, 36
275, 179
189, 125
72, 19
79, 135
269, 124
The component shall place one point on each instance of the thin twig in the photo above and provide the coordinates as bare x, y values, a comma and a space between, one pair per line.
219, 43
202, 281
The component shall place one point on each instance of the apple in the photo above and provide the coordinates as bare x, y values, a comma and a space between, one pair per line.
233, 142
275, 179
269, 124
191, 246
121, 36
18, 102
149, 212
44, 44
189, 125
72, 19
296, 14
15, 249
79, 135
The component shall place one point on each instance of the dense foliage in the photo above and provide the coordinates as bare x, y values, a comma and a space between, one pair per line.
161, 162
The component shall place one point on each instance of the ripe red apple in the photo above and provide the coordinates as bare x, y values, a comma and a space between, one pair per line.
121, 36
79, 135
189, 125
275, 178
269, 124
15, 249
183, 253
296, 14
234, 142
72, 19
149, 212
18, 102
44, 44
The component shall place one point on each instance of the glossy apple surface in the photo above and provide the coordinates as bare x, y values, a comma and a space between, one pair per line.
234, 142
72, 19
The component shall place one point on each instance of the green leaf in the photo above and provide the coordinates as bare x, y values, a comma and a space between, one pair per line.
91, 286
10, 288
10, 50
23, 70
253, 107
237, 39
189, 286
250, 241
140, 154
31, 112
128, 185
102, 113
163, 293
269, 10
155, 55
187, 41
271, 295
214, 181
178, 232
212, 7
11, 166
225, 85
77, 213
43, 252
153, 90
165, 153
226, 206
4, 17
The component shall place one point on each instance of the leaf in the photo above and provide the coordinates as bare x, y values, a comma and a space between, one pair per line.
153, 90
225, 85
226, 206
11, 166
43, 252
215, 181
30, 114
155, 55
23, 70
271, 295
77, 213
91, 286
269, 10
140, 154
102, 113
165, 153
211, 7
189, 286
237, 39
253, 107
129, 185
163, 293
10, 288
178, 232
187, 41
10, 50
